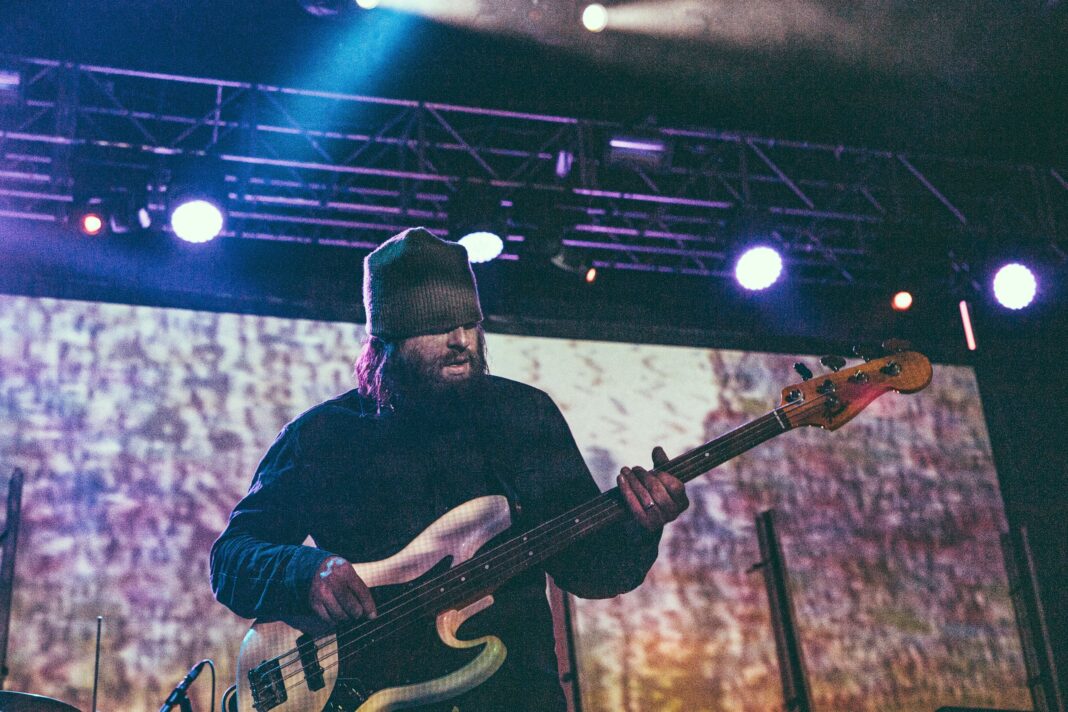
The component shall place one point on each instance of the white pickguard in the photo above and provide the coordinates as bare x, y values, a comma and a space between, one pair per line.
459, 533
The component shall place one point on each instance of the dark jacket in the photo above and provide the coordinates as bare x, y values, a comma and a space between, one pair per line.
362, 484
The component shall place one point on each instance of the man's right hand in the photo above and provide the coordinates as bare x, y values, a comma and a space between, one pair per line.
338, 595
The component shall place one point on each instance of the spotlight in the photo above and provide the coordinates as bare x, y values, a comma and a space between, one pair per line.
478, 220
1015, 286
196, 199
650, 151
197, 220
564, 161
367, 4
482, 246
591, 275
144, 218
595, 17
10, 86
90, 214
758, 268
128, 210
91, 223
902, 301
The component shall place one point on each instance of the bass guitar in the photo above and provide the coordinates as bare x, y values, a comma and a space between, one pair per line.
450, 570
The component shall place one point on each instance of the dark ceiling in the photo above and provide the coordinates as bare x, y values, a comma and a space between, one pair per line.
979, 78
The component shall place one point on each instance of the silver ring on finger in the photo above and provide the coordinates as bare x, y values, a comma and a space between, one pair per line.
648, 505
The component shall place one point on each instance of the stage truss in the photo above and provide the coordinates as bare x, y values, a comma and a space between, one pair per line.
329, 168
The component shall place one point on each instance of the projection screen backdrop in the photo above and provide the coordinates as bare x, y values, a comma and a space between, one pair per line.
139, 428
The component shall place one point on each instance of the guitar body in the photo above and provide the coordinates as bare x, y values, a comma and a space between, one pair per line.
421, 663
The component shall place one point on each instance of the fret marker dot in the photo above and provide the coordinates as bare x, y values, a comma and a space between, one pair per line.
530, 553
487, 567
576, 521
462, 579
443, 590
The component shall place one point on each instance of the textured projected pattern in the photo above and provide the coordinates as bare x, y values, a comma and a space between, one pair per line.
890, 529
139, 429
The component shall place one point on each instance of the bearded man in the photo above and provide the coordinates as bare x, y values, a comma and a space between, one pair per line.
426, 430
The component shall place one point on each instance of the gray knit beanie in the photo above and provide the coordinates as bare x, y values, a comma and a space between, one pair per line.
415, 283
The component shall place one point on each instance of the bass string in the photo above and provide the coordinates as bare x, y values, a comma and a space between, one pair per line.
551, 529
688, 466
684, 466
686, 469
406, 620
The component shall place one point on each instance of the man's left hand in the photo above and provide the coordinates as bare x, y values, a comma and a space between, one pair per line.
655, 498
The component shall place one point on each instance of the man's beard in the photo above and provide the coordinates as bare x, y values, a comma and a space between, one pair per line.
421, 388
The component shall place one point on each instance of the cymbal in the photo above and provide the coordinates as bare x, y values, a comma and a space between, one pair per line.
25, 702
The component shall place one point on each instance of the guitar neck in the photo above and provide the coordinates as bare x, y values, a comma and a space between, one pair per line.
506, 560
484, 573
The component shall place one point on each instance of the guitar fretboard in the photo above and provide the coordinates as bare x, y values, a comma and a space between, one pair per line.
484, 572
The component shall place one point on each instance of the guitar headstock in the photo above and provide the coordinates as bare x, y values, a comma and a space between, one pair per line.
833, 400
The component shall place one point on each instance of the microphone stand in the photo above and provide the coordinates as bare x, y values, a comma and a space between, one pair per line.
178, 697
9, 540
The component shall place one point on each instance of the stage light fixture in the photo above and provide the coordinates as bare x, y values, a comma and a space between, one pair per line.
197, 220
758, 268
595, 17
10, 86
482, 246
478, 219
144, 218
966, 323
91, 223
196, 200
126, 209
571, 260
902, 301
564, 162
645, 151
1015, 286
90, 213
367, 4
591, 275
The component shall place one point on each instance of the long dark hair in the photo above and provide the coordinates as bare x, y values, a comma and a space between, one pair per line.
375, 368
372, 381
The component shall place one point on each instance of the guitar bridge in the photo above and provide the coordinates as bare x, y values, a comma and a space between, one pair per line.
267, 686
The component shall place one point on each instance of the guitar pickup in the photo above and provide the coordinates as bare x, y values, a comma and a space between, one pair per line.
309, 660
267, 686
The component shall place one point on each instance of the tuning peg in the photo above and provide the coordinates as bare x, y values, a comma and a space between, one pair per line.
833, 362
865, 352
895, 346
803, 371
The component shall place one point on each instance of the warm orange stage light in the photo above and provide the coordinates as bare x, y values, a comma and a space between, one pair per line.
902, 301
91, 224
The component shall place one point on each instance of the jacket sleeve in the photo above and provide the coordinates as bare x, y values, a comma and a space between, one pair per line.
259, 569
615, 559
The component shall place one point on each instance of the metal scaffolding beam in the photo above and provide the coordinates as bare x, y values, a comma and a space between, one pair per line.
325, 167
